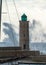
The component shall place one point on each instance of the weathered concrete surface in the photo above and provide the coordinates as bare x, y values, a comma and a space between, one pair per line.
7, 54
40, 58
18, 53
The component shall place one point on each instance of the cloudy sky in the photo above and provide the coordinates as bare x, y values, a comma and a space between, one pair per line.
34, 9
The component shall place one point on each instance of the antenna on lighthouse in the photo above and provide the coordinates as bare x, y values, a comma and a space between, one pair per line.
0, 16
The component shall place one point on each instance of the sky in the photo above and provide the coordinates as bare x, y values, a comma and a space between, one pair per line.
0, 18
34, 9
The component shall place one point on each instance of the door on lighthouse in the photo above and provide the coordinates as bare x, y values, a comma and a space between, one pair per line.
24, 46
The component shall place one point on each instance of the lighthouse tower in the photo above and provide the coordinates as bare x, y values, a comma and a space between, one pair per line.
24, 33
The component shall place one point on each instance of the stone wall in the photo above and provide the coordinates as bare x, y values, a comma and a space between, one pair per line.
19, 53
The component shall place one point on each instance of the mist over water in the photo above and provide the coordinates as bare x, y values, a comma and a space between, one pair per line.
22, 64
38, 46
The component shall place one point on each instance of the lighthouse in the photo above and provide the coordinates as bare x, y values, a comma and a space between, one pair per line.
24, 33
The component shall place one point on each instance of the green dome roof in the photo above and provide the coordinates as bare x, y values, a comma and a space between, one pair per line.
24, 17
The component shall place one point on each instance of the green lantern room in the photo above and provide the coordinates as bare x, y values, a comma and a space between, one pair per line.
24, 17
